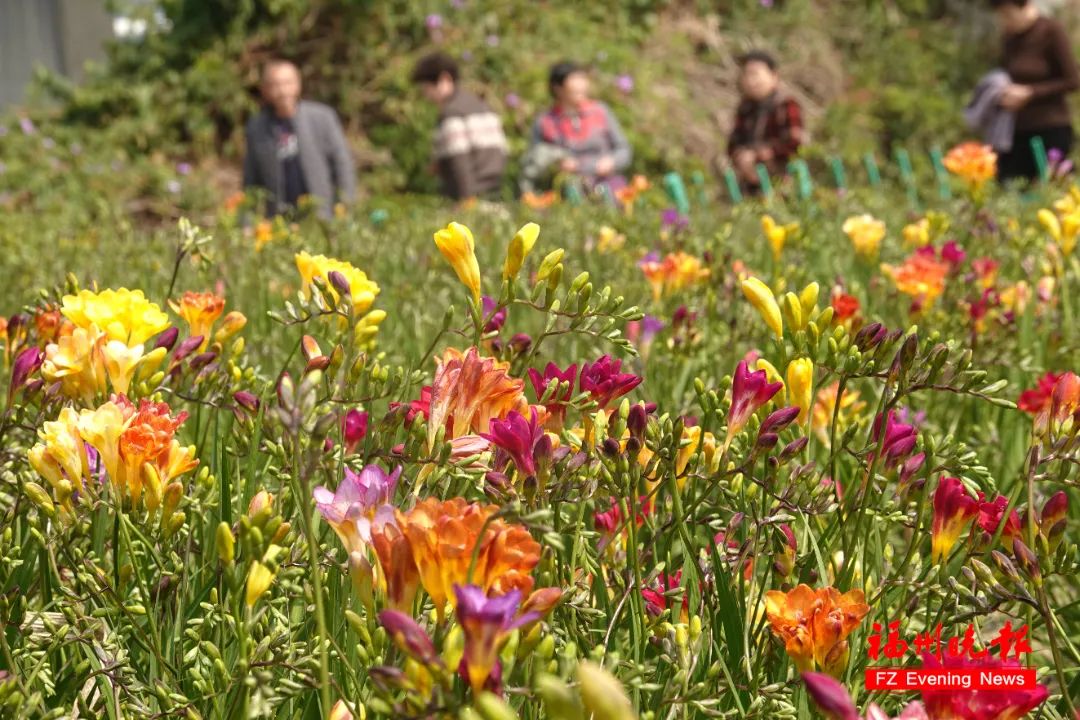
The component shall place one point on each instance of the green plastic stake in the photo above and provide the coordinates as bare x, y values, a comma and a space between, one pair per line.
872, 172
676, 190
801, 171
608, 195
573, 193
698, 178
839, 177
732, 183
1038, 148
765, 180
942, 175
907, 174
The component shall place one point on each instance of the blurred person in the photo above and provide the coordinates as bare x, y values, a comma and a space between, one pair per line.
296, 147
768, 126
470, 146
1038, 57
578, 136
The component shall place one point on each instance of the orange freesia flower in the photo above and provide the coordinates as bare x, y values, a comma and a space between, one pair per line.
445, 536
200, 310
815, 624
51, 324
676, 271
234, 201
540, 201
824, 406
398, 576
469, 391
922, 276
973, 162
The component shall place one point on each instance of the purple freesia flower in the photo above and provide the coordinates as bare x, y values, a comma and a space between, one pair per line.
183, 168
517, 437
625, 84
604, 381
48, 143
26, 362
672, 218
27, 126
486, 623
433, 21
492, 40
650, 257
360, 504
493, 321
512, 100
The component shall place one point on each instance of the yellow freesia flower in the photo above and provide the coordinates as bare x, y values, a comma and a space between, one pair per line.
866, 233
123, 315
361, 289
762, 298
456, 244
800, 385
776, 235
77, 362
200, 310
1063, 230
519, 248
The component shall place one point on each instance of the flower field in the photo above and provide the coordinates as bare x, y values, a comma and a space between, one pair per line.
559, 462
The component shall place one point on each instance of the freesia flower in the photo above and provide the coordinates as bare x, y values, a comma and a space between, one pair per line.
486, 623
456, 244
123, 315
815, 624
1052, 400
468, 392
353, 429
954, 508
921, 276
800, 386
518, 250
995, 704
776, 235
973, 162
443, 537
360, 503
674, 272
821, 417
917, 234
844, 307
604, 381
762, 298
749, 391
899, 441
556, 403
992, 516
866, 233
518, 437
835, 703
200, 311
362, 290
656, 600
398, 576
409, 637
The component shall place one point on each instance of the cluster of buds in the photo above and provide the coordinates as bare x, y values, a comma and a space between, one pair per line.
263, 535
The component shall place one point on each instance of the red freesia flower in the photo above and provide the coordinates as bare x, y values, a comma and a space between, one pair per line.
998, 704
749, 391
954, 508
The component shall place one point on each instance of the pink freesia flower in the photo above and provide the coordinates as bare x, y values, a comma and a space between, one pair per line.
360, 503
835, 703
899, 441
749, 391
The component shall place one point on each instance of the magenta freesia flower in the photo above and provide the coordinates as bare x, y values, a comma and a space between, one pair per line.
518, 437
410, 638
835, 703
486, 623
625, 83
980, 704
604, 381
749, 391
353, 429
26, 362
360, 503
899, 441
556, 404
493, 320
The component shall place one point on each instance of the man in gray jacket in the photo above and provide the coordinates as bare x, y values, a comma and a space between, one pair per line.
296, 147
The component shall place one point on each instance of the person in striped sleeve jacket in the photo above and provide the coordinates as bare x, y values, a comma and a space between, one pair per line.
470, 147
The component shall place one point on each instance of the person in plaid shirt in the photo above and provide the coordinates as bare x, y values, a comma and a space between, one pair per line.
768, 125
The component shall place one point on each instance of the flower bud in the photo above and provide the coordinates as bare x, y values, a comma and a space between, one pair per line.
602, 694
259, 580
40, 497
167, 339
226, 543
